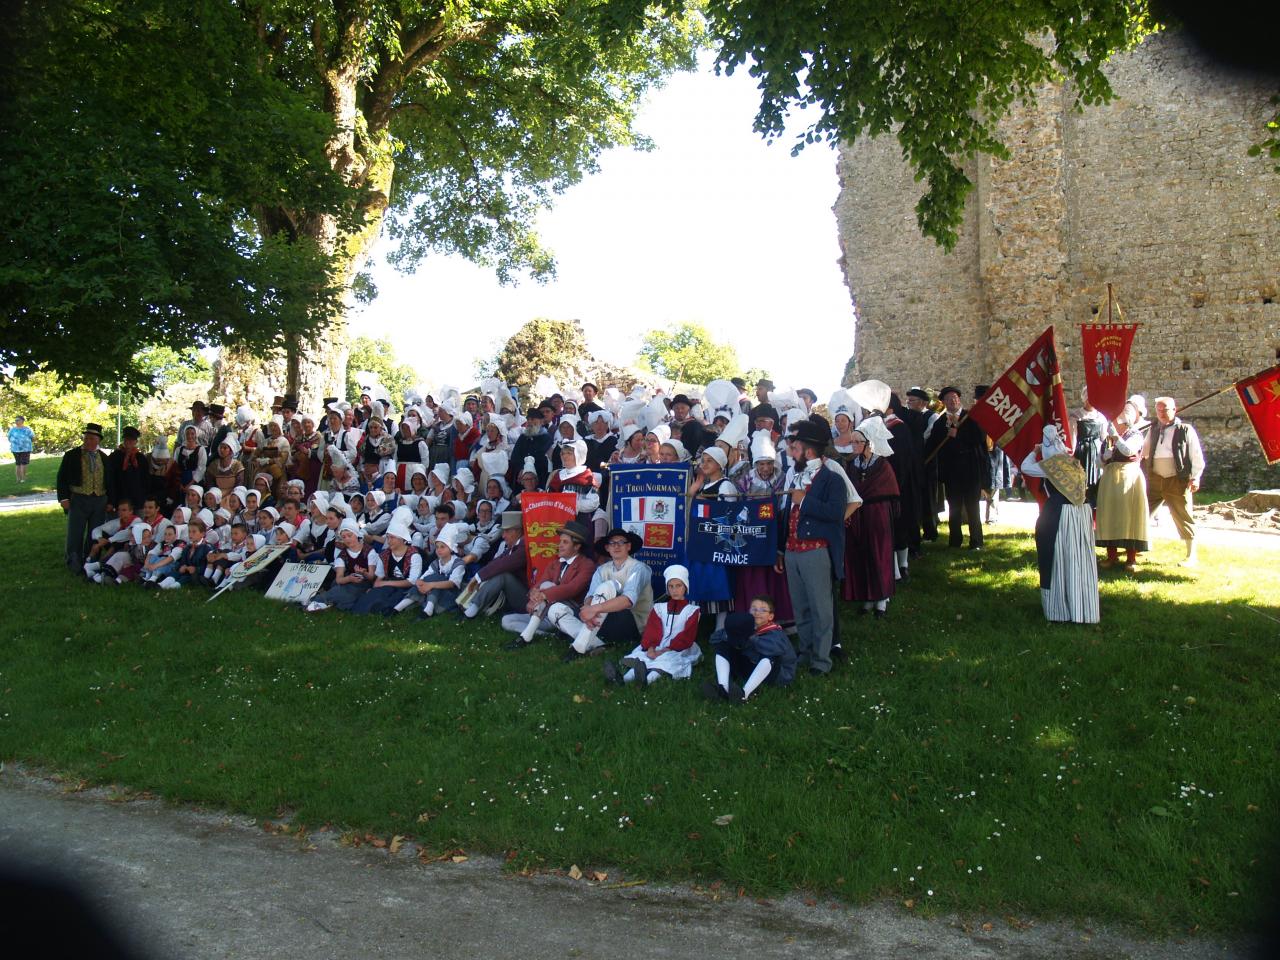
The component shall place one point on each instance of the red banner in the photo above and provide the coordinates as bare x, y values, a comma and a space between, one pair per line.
543, 514
1106, 364
1026, 397
1260, 397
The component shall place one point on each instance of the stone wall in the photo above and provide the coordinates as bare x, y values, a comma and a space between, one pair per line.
1154, 193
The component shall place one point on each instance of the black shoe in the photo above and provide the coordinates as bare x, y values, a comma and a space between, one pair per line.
815, 672
516, 644
837, 652
735, 694
881, 614
612, 674
713, 691
571, 656
903, 576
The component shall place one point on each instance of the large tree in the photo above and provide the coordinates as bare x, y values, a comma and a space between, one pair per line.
687, 353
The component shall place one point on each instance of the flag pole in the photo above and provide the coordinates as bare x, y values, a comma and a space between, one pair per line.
1207, 396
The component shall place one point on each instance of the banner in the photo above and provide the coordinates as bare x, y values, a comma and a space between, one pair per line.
649, 501
1026, 397
298, 582
543, 514
255, 563
736, 533
1260, 397
1106, 364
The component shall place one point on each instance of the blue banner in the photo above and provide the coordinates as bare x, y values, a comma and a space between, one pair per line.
733, 533
649, 501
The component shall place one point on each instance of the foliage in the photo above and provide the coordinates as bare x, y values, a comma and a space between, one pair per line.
379, 356
542, 347
968, 756
138, 139
162, 368
938, 76
687, 354
56, 411
1270, 145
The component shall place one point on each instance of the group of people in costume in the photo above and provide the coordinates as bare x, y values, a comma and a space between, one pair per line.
420, 510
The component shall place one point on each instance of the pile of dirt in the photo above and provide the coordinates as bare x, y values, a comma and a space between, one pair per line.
1256, 510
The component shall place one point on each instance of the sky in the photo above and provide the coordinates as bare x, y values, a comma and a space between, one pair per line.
712, 226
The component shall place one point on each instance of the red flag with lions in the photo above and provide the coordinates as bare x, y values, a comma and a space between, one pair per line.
1026, 397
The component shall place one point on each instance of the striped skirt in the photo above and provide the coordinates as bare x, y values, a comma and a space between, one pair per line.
1072, 594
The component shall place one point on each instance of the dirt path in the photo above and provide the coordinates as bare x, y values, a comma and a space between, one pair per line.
200, 885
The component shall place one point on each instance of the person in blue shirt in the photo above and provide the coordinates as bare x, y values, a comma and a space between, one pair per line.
21, 441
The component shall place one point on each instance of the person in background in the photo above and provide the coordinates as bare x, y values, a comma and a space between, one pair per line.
21, 442
1173, 462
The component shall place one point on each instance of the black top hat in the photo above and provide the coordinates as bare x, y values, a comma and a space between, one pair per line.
289, 402
328, 400
533, 413
919, 394
765, 382
633, 539
739, 383
217, 409
763, 410
131, 433
681, 398
942, 394
93, 428
808, 432
576, 531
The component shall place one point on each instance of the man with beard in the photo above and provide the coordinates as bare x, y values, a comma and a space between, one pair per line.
534, 442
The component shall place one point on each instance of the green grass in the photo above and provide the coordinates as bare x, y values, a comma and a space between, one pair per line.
1123, 772
42, 476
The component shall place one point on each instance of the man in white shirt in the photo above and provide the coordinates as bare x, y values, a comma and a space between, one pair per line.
1173, 461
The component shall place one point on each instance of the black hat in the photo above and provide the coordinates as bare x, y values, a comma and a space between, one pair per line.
199, 405
945, 390
765, 382
328, 400
919, 394
764, 410
277, 403
808, 432
633, 538
681, 398
821, 421
93, 428
289, 402
533, 412
217, 409
693, 436
980, 391
739, 383
577, 531
131, 433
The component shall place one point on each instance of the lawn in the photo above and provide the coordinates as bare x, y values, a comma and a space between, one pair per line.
968, 756
42, 476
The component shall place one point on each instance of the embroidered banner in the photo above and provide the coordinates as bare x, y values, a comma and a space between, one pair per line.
1106, 364
1026, 397
736, 533
1260, 397
543, 514
649, 501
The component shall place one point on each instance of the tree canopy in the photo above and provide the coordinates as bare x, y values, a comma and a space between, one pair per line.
542, 347
378, 356
938, 75
687, 353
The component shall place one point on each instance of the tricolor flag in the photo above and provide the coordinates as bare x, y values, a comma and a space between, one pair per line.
1260, 398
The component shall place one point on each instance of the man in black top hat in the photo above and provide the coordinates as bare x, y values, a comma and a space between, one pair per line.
960, 447
217, 415
920, 418
82, 493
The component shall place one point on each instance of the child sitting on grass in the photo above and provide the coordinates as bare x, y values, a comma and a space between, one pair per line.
441, 581
162, 559
193, 558
668, 647
751, 648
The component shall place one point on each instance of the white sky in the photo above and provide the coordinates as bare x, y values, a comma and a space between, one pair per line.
712, 226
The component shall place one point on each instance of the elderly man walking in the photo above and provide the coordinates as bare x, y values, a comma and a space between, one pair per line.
1174, 461
82, 493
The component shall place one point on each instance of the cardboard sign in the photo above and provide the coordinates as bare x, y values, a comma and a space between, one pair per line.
298, 582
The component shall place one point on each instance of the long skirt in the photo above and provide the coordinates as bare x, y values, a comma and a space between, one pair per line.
749, 582
677, 664
868, 553
1122, 507
1068, 567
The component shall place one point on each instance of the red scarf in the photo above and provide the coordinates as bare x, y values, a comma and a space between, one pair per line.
130, 458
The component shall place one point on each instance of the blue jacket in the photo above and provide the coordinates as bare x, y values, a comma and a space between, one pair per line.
821, 517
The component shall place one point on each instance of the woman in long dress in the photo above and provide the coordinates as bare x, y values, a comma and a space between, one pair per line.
868, 539
1122, 491
1064, 534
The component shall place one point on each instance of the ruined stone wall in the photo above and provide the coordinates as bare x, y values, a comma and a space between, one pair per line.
1154, 193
